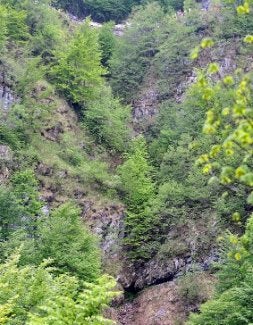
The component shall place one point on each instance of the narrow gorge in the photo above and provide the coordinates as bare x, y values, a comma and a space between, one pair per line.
125, 162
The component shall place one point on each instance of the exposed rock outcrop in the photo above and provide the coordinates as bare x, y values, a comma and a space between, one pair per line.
157, 305
7, 97
157, 271
118, 29
5, 153
108, 224
53, 133
145, 106
167, 303
5, 159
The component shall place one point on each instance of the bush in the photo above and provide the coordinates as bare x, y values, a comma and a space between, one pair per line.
10, 213
108, 121
232, 303
172, 248
64, 238
36, 296
61, 237
194, 288
232, 307
25, 189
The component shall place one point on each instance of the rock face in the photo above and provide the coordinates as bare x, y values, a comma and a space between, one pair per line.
5, 153
205, 4
183, 250
168, 303
7, 98
118, 29
145, 107
5, 160
108, 224
53, 133
157, 305
158, 270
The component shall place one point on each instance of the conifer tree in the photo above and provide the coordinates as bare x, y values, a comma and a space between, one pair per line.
135, 176
78, 71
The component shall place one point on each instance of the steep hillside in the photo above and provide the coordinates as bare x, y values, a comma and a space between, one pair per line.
125, 150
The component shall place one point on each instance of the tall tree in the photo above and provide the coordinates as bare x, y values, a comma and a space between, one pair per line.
135, 174
78, 71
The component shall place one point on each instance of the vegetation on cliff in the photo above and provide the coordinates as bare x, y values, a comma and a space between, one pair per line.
67, 138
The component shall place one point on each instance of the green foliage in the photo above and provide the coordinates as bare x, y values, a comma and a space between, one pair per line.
138, 189
13, 24
135, 51
28, 78
172, 62
35, 22
86, 308
17, 29
172, 248
46, 28
108, 120
190, 4
233, 123
3, 27
232, 303
63, 237
233, 307
175, 4
233, 25
193, 288
9, 136
25, 187
155, 42
231, 201
229, 123
100, 10
107, 42
35, 296
19, 204
104, 10
76, 7
78, 71
135, 174
9, 212
142, 228
153, 52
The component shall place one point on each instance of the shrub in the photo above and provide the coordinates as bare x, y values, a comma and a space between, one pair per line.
194, 288
34, 295
78, 71
108, 120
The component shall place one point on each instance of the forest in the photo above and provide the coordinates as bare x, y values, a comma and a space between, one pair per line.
126, 162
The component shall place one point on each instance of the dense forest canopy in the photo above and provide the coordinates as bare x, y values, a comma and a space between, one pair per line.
128, 151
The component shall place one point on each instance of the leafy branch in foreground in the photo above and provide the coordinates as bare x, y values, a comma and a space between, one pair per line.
34, 295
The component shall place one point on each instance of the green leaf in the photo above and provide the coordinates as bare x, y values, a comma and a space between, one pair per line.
250, 198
